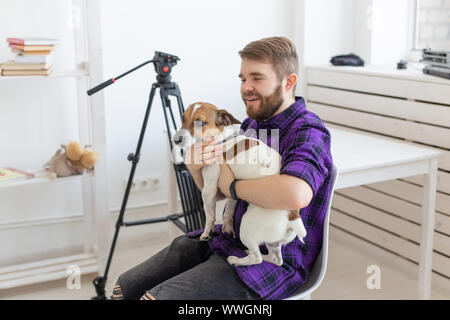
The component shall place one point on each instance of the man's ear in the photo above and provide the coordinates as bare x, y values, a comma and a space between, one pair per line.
291, 80
224, 118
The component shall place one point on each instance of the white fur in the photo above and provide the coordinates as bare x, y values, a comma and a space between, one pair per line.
259, 225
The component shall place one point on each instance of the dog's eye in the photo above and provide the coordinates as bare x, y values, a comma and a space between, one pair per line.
204, 123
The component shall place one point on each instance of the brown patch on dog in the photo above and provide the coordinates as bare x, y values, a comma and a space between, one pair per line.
242, 145
213, 119
294, 214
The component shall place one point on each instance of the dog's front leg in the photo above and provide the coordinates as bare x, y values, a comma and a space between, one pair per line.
210, 178
227, 226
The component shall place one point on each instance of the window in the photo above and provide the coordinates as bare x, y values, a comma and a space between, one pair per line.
432, 25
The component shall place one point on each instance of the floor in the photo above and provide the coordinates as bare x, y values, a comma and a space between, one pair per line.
346, 277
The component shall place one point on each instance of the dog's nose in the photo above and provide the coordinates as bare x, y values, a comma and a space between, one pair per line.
178, 139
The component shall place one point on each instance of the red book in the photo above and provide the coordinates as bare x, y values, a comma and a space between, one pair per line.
32, 41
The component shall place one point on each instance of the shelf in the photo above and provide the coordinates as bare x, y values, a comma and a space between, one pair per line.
43, 176
46, 270
57, 74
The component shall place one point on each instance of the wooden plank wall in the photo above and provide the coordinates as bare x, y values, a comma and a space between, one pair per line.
388, 214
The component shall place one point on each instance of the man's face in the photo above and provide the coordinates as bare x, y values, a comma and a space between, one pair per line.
261, 89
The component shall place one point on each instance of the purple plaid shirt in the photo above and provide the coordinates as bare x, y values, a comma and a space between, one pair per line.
304, 144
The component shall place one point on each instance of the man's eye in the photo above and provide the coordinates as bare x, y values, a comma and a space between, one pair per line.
257, 79
204, 123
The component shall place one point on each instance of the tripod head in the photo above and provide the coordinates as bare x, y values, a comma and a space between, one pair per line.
163, 63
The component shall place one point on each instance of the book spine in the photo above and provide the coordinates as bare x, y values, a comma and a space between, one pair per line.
32, 42
15, 41
30, 53
27, 72
31, 47
33, 59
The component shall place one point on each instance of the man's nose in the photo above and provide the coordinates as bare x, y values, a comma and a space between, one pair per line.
247, 87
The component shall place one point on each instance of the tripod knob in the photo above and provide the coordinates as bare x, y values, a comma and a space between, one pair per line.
133, 158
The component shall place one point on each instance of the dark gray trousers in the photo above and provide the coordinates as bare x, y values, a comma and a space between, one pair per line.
185, 270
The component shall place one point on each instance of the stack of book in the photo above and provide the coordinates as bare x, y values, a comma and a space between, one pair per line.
33, 57
10, 175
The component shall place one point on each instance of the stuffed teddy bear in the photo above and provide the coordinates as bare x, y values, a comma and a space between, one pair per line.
74, 160
81, 158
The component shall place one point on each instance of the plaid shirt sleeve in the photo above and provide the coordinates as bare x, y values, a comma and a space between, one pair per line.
303, 155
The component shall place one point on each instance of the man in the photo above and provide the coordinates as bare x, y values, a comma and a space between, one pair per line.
192, 269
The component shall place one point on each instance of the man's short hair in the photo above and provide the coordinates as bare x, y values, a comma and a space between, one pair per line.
279, 51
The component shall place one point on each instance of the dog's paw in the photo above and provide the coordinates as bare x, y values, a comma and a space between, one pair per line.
274, 260
228, 228
205, 236
234, 261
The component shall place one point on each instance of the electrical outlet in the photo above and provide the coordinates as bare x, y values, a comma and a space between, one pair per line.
134, 185
144, 183
152, 182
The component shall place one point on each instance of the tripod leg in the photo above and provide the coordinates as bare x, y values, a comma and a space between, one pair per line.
100, 282
180, 102
190, 195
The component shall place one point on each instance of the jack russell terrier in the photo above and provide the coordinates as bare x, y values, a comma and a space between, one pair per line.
248, 158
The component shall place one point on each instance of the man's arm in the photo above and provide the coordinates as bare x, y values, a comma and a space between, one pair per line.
275, 192
280, 191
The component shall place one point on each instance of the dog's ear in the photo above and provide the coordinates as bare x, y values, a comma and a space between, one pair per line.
187, 114
224, 118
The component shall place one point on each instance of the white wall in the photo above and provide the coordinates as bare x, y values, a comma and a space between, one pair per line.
323, 29
391, 39
329, 29
36, 116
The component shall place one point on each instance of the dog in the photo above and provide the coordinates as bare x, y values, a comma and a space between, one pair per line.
248, 158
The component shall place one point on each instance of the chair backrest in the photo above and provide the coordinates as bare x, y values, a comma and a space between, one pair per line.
320, 265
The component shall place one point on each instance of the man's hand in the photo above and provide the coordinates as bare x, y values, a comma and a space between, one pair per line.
225, 179
203, 153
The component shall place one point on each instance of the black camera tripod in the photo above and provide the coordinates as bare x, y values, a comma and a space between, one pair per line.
191, 199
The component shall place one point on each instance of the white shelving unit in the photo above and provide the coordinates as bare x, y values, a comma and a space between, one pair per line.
88, 72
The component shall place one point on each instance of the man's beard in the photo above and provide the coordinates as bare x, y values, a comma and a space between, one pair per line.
268, 105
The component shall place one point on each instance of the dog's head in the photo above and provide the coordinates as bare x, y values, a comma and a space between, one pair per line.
201, 120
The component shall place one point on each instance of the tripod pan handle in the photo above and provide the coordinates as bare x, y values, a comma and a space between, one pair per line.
101, 86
